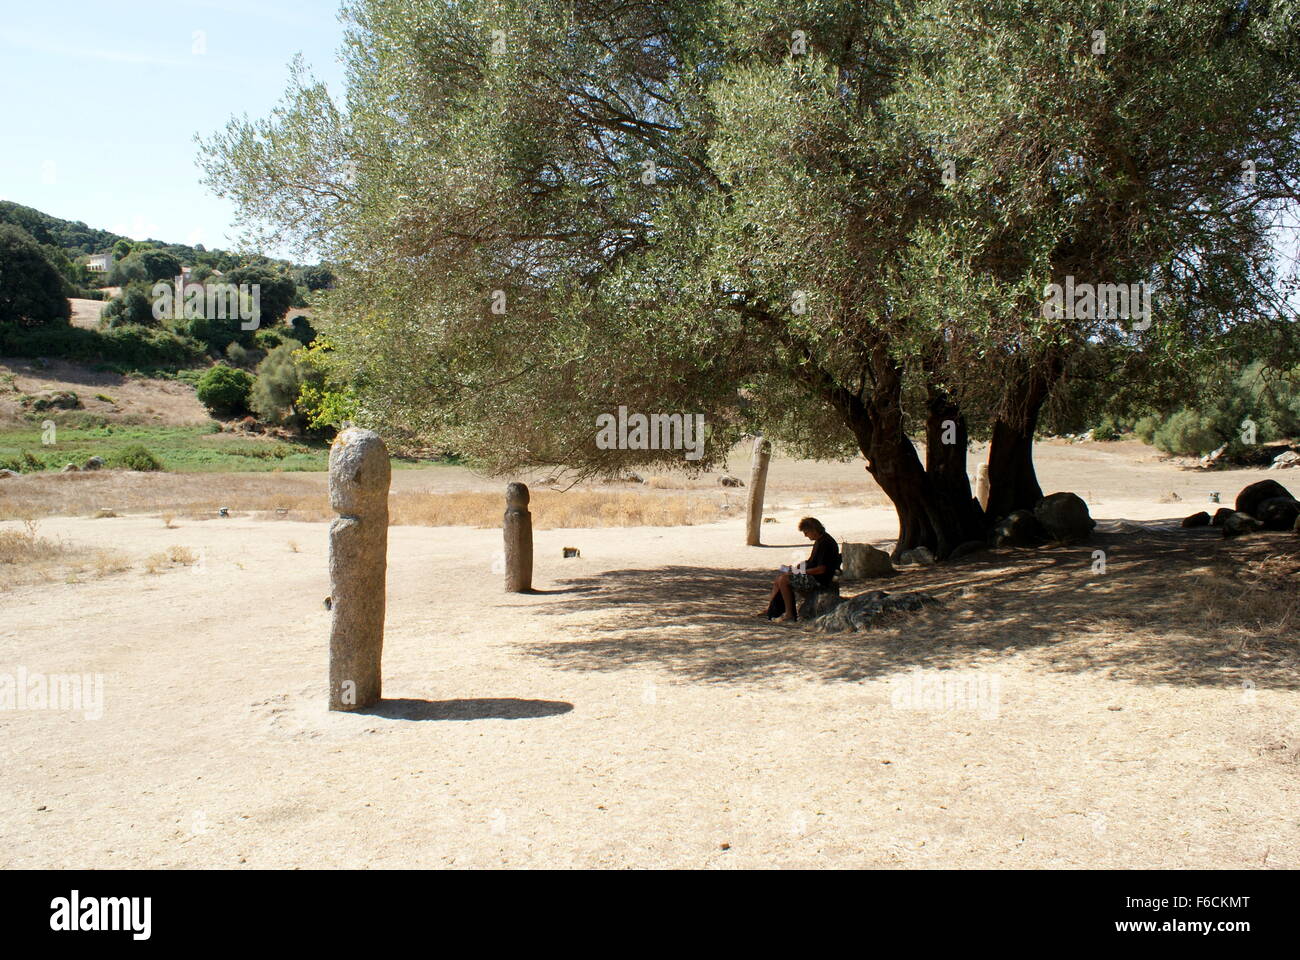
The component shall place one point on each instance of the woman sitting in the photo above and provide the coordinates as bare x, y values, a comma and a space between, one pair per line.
818, 572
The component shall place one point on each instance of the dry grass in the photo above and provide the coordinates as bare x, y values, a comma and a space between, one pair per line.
27, 558
290, 496
554, 510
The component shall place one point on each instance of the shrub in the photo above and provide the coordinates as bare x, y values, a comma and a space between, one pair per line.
1189, 433
224, 390
1145, 429
134, 457
31, 288
269, 338
280, 378
237, 355
132, 306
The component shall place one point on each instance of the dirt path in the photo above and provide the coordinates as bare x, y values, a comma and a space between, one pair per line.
630, 715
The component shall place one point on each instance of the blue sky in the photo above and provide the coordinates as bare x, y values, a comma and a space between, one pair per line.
102, 101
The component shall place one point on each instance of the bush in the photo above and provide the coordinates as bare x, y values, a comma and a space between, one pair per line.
134, 457
132, 306
215, 333
224, 390
269, 338
303, 331
237, 355
1145, 429
32, 291
130, 346
1189, 433
280, 378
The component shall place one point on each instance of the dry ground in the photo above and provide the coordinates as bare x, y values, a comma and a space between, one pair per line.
630, 714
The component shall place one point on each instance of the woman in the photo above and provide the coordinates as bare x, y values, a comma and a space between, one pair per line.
818, 571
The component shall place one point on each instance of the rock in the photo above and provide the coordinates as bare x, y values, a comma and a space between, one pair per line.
104, 514
1019, 529
860, 612
571, 552
1223, 513
633, 478
1278, 514
94, 463
359, 476
1287, 458
1250, 498
1065, 517
1201, 519
917, 555
862, 561
728, 481
70, 468
967, 549
7, 474
812, 604
52, 400
1238, 523
1212, 459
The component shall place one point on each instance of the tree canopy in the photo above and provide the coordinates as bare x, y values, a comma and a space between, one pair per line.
832, 222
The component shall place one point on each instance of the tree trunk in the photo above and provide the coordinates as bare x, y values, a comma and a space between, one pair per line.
757, 487
946, 443
1013, 483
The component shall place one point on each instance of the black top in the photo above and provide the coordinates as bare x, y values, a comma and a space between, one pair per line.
825, 553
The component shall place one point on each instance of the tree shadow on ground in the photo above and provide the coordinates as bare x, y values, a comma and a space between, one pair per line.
1157, 604
487, 708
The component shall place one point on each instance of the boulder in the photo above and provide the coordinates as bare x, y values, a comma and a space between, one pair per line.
7, 474
94, 463
727, 481
1019, 529
1278, 514
921, 556
1223, 513
70, 468
1065, 517
860, 612
1201, 519
1250, 498
1238, 523
862, 561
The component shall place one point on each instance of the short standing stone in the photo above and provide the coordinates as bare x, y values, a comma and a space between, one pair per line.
359, 478
1065, 517
517, 526
1020, 528
921, 556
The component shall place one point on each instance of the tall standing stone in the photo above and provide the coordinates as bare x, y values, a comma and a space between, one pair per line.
359, 478
518, 528
982, 485
757, 488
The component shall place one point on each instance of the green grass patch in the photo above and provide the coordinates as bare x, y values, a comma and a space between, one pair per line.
196, 449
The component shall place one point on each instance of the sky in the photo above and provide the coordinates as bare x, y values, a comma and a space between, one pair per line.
102, 102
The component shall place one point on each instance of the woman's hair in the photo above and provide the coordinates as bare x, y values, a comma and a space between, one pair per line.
811, 523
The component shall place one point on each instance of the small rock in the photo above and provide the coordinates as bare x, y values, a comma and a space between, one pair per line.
1201, 519
571, 552
724, 846
1223, 513
103, 514
70, 468
1212, 459
1287, 458
922, 556
1019, 529
729, 481
94, 463
7, 474
1240, 523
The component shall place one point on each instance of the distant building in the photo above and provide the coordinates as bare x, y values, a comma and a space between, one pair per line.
99, 262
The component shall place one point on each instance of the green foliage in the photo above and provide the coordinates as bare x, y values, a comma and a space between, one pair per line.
302, 329
134, 457
133, 306
319, 277
276, 291
268, 338
225, 390
237, 355
1189, 433
32, 291
280, 379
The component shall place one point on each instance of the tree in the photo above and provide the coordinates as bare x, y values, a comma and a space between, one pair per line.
276, 291
280, 379
132, 306
838, 234
32, 291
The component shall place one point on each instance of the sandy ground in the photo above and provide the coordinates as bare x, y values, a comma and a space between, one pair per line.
629, 714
